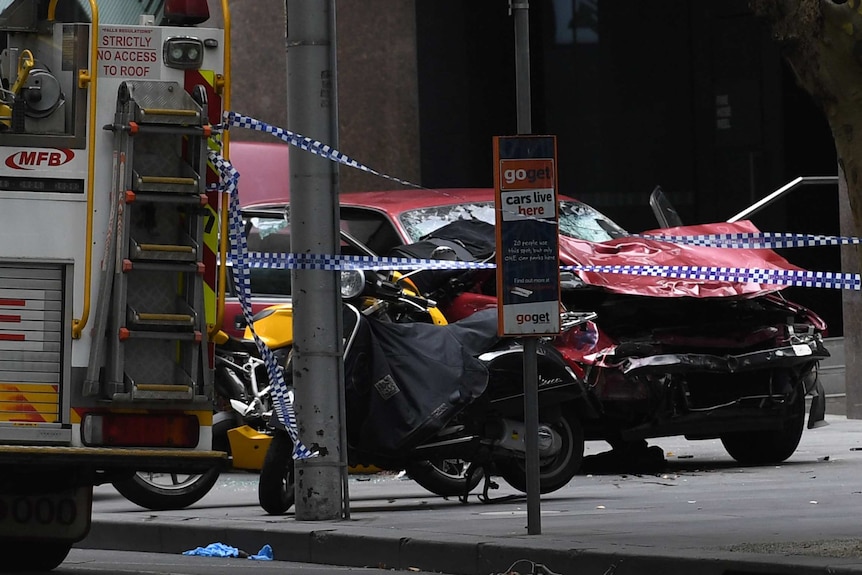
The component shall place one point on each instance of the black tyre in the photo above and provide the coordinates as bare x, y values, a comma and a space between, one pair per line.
28, 556
275, 489
768, 447
556, 471
166, 491
446, 477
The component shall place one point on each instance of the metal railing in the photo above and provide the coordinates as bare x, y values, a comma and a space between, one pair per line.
786, 188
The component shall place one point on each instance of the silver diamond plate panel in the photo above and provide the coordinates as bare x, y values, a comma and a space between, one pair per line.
163, 96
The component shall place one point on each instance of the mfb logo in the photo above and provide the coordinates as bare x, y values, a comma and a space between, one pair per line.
32, 159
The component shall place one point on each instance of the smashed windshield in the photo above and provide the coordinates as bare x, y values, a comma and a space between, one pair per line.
583, 222
577, 220
421, 222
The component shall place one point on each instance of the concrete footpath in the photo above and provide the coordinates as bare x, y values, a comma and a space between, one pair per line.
702, 513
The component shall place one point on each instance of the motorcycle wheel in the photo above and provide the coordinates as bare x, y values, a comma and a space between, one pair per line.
768, 447
166, 491
275, 488
446, 477
554, 472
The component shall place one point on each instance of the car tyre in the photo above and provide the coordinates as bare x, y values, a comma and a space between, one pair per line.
770, 446
276, 486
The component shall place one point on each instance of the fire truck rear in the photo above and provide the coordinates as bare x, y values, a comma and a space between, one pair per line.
108, 245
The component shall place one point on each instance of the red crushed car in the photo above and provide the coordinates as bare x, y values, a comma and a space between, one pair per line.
703, 358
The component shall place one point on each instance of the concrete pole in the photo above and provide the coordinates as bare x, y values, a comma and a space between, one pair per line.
314, 221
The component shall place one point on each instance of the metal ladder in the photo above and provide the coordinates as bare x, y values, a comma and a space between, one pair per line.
151, 298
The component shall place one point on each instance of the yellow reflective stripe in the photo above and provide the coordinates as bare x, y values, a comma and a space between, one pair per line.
211, 228
29, 402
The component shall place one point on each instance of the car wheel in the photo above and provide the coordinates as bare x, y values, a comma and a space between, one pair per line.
275, 488
554, 472
166, 491
446, 477
768, 447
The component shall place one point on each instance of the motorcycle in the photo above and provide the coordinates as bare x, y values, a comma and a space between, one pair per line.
443, 402
242, 407
244, 404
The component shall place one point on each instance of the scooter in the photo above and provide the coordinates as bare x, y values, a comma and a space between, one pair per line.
419, 397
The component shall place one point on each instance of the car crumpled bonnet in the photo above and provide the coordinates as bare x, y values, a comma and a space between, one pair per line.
639, 251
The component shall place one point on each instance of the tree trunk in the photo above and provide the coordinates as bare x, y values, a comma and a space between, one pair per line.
822, 41
852, 301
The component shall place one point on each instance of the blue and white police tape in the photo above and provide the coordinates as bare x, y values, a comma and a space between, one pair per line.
239, 255
232, 119
798, 278
762, 240
759, 240
269, 260
243, 260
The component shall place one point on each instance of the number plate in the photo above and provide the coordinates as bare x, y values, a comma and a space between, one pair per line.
64, 515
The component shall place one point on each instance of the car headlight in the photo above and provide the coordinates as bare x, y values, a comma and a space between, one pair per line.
352, 283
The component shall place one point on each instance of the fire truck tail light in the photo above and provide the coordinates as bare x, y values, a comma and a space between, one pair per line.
140, 430
186, 12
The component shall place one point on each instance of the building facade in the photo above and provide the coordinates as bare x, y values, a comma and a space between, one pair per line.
689, 95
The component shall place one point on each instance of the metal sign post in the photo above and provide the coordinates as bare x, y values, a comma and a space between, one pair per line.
321, 488
528, 270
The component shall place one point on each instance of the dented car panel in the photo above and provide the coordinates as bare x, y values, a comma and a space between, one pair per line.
642, 251
665, 357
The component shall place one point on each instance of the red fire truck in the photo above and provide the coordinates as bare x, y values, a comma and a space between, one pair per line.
109, 227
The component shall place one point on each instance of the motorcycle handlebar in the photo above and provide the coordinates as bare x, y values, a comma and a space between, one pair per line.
389, 291
419, 301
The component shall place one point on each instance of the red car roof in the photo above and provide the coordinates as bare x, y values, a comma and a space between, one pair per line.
265, 181
263, 172
397, 201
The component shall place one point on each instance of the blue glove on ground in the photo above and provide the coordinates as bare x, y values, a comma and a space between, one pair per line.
222, 550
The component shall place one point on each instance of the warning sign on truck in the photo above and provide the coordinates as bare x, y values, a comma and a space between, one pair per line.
129, 52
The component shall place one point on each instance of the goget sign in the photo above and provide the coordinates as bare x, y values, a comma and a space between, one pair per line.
528, 254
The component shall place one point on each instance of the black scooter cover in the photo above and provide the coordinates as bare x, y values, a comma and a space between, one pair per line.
407, 380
